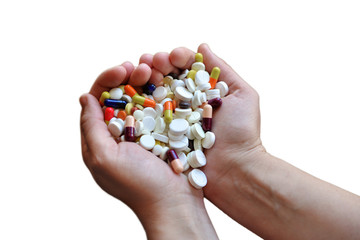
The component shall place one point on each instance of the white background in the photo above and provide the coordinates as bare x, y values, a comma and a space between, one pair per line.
302, 57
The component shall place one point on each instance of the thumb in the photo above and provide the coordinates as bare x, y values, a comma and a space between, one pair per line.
227, 74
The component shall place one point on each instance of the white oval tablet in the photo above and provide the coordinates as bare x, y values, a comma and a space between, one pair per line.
139, 127
178, 126
159, 93
116, 93
160, 125
159, 110
198, 131
183, 94
197, 178
190, 85
149, 111
209, 140
223, 87
183, 160
160, 137
138, 115
201, 77
147, 142
157, 149
149, 123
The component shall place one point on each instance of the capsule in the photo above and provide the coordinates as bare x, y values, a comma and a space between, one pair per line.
207, 117
198, 57
184, 105
145, 102
130, 129
109, 114
104, 95
214, 76
215, 102
175, 161
168, 112
129, 90
149, 88
115, 103
191, 74
121, 114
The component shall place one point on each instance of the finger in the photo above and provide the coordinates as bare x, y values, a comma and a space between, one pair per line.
147, 59
141, 75
227, 74
182, 58
156, 77
111, 78
93, 129
162, 63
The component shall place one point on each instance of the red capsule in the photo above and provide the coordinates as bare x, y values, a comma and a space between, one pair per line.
130, 129
109, 114
207, 117
215, 102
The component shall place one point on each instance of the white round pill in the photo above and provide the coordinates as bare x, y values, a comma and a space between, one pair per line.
178, 126
159, 110
149, 111
149, 123
174, 137
183, 94
190, 85
198, 66
160, 125
116, 93
179, 145
197, 159
194, 117
182, 113
159, 93
139, 127
183, 160
201, 77
223, 87
198, 131
209, 140
115, 128
203, 87
197, 178
177, 83
157, 149
138, 115
147, 142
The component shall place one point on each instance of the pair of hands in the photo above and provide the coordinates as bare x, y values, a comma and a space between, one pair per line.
136, 176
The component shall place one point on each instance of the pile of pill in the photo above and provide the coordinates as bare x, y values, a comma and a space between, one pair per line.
172, 120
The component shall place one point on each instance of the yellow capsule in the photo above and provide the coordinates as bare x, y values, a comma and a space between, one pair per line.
198, 57
139, 106
215, 73
191, 74
128, 108
162, 144
122, 87
170, 94
168, 80
104, 95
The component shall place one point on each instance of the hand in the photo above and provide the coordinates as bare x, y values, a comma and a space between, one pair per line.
163, 200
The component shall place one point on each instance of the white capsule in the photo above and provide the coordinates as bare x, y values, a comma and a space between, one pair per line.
197, 178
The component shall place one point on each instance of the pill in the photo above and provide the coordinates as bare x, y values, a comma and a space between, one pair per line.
145, 102
215, 102
138, 106
170, 94
157, 150
165, 100
197, 159
138, 115
168, 80
134, 109
179, 145
197, 178
121, 114
168, 112
223, 87
215, 73
179, 126
189, 134
209, 140
116, 93
147, 142
104, 95
191, 74
139, 127
116, 128
184, 105
212, 93
115, 103
109, 114
148, 111
182, 113
126, 98
163, 153
207, 117
183, 160
145, 132
203, 87
194, 117
129, 90
183, 94
197, 66
129, 129
174, 137
175, 162
199, 57
177, 83
160, 137
149, 88
159, 125
149, 123
201, 77
159, 110
159, 93
198, 131
183, 75
197, 144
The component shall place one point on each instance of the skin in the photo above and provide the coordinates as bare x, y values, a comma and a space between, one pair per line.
265, 194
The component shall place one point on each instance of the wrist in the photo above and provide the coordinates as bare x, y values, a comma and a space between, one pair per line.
180, 218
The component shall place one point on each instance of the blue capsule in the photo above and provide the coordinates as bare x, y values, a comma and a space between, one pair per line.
149, 89
114, 103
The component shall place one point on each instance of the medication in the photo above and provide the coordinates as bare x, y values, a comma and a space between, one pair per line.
149, 123
179, 126
190, 85
114, 103
116, 93
208, 141
183, 160
160, 125
104, 95
116, 127
199, 57
109, 114
197, 66
139, 128
121, 114
160, 137
198, 131
215, 102
128, 108
201, 77
184, 104
168, 112
196, 159
183, 75
149, 112
191, 74
147, 142
145, 102
130, 129
183, 94
223, 87
175, 161
215, 73
197, 178
157, 150
207, 117
159, 93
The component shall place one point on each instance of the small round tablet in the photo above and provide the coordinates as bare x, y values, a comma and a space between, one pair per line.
194, 117
149, 123
201, 77
160, 125
179, 145
190, 85
147, 142
198, 66
116, 93
182, 113
209, 140
138, 115
183, 94
178, 126
197, 159
197, 178
157, 149
198, 131
149, 111
223, 87
159, 93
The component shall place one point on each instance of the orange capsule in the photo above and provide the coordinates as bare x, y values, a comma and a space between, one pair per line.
168, 111
129, 90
